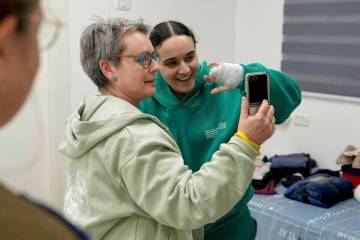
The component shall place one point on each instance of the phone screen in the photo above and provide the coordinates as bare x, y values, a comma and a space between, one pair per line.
258, 88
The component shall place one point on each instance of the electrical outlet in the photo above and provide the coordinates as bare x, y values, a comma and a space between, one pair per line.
122, 5
301, 119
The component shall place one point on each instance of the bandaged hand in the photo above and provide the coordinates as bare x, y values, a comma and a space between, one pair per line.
228, 74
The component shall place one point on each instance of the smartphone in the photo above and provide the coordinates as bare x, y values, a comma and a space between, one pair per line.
257, 87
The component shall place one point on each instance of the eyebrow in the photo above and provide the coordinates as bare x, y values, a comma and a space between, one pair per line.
174, 58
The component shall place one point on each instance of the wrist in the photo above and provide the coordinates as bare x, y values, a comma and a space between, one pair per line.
244, 137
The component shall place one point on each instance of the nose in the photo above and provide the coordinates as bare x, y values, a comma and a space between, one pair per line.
154, 67
183, 67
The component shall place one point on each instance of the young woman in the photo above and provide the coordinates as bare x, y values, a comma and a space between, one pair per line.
201, 121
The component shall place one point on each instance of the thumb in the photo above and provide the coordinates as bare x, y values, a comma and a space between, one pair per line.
214, 71
244, 113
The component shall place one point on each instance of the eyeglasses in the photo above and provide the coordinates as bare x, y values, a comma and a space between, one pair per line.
144, 59
49, 30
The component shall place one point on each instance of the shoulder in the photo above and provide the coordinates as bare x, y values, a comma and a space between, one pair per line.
150, 138
47, 223
115, 107
149, 130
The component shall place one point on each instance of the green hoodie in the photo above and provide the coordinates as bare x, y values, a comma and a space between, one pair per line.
127, 179
200, 122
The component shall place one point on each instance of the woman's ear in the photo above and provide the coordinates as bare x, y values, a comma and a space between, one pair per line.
107, 70
8, 27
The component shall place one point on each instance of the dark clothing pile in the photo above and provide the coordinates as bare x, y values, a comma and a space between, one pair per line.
321, 190
289, 168
292, 163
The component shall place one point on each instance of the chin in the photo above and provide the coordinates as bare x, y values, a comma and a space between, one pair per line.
151, 93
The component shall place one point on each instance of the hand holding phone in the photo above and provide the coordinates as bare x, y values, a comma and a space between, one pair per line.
260, 127
257, 87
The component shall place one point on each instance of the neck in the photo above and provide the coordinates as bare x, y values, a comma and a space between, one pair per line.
109, 92
180, 95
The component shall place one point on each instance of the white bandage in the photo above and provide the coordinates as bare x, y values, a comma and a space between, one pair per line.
229, 74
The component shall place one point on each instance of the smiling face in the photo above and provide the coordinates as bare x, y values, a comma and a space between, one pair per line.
178, 63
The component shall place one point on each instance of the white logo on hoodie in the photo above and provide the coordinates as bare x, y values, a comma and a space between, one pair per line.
213, 132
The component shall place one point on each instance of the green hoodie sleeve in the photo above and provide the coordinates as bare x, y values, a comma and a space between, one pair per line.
285, 93
164, 188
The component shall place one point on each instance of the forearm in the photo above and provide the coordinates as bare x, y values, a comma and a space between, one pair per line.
170, 193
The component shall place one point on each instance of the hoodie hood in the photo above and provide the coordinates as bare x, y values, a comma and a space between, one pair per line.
97, 118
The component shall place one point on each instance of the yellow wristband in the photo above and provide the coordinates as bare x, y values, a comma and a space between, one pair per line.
244, 137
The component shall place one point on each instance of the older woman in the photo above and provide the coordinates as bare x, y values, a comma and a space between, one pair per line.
19, 58
126, 176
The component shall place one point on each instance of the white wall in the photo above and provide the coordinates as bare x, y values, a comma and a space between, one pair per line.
334, 121
259, 32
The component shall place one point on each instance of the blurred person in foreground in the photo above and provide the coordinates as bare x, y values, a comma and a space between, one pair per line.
21, 217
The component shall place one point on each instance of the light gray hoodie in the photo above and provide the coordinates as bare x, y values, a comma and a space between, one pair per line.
127, 180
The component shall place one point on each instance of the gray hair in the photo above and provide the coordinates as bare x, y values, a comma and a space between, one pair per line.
101, 41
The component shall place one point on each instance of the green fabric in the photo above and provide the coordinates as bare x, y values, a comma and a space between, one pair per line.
222, 227
127, 178
200, 122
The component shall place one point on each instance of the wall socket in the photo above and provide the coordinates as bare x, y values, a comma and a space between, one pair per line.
122, 5
301, 119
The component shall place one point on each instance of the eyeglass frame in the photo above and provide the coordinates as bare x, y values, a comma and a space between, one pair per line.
51, 19
137, 57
